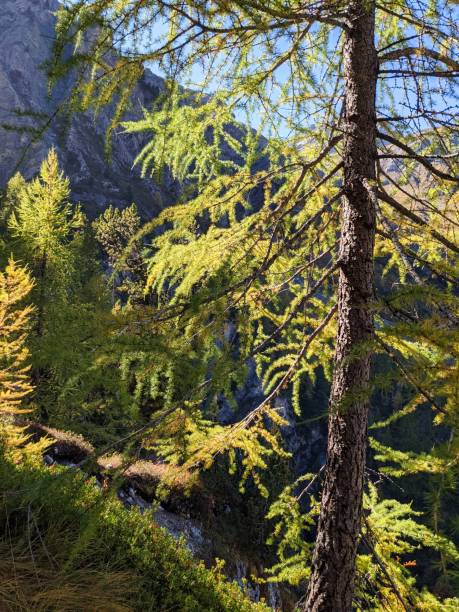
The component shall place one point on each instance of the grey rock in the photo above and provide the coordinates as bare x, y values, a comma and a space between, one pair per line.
188, 529
48, 460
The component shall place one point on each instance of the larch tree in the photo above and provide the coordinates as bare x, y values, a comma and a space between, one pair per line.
42, 223
15, 383
49, 234
359, 105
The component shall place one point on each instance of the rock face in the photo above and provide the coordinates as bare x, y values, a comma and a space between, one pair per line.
27, 31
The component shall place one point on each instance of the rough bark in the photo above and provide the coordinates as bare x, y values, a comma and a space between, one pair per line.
332, 579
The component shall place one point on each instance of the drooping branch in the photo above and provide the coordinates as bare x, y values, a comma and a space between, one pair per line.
407, 375
367, 540
291, 371
398, 247
178, 310
154, 422
404, 256
413, 21
416, 257
420, 201
290, 317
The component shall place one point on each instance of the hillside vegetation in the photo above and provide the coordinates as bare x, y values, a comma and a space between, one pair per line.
264, 369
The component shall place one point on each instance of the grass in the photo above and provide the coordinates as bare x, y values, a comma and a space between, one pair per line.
66, 545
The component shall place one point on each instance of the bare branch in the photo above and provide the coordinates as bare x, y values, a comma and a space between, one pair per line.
385, 197
419, 158
419, 52
398, 42
418, 73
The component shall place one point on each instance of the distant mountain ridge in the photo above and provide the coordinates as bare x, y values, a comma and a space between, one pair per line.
27, 31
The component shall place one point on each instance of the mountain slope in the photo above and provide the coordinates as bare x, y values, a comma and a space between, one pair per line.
27, 28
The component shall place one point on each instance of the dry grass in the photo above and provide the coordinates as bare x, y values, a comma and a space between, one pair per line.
65, 444
151, 473
149, 476
178, 489
30, 580
111, 462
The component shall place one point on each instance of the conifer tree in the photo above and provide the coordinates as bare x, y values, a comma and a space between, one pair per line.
9, 200
42, 224
361, 88
115, 231
15, 285
15, 382
50, 234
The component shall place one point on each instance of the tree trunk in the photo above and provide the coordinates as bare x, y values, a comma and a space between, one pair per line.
39, 327
332, 579
41, 299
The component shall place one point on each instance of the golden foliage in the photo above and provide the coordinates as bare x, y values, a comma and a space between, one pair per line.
15, 285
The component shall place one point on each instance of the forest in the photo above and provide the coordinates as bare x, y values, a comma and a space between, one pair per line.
229, 306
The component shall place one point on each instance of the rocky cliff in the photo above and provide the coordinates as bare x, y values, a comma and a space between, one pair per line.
27, 31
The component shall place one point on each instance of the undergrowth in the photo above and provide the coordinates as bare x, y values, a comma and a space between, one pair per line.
67, 545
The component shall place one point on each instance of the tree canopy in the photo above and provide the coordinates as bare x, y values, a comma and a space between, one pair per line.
317, 234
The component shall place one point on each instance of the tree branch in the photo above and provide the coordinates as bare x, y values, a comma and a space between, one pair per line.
419, 158
385, 197
301, 303
407, 375
424, 25
418, 73
410, 253
419, 52
288, 375
424, 203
